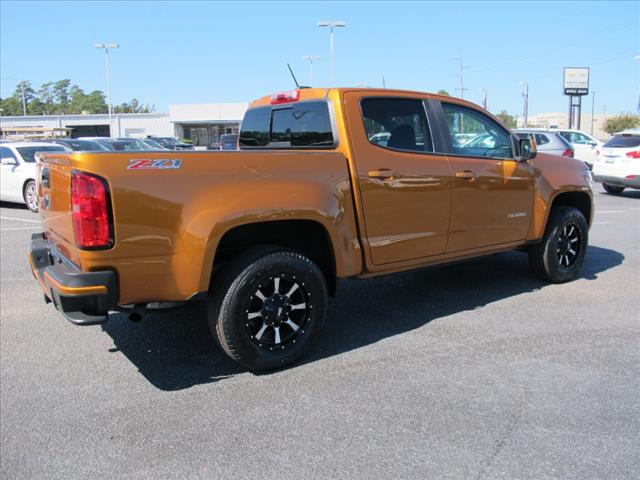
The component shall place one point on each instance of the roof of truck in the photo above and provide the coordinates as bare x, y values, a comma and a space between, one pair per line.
305, 93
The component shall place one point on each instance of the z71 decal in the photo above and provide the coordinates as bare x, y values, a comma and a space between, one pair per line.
160, 164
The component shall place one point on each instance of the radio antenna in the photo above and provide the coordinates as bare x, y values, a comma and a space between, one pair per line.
294, 77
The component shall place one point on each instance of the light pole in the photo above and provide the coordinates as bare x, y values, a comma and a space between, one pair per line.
311, 59
484, 98
331, 24
525, 96
593, 108
106, 47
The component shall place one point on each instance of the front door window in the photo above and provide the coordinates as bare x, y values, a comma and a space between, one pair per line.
476, 135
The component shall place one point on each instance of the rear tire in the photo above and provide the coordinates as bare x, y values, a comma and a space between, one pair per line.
30, 195
267, 308
612, 189
560, 255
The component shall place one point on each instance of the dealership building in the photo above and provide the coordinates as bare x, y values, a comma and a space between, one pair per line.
201, 123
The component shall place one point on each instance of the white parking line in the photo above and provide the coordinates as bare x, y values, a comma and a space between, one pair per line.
20, 219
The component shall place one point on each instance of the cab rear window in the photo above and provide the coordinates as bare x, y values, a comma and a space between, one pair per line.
297, 125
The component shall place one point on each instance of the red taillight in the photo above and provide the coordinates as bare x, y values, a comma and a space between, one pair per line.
285, 97
635, 154
568, 153
90, 211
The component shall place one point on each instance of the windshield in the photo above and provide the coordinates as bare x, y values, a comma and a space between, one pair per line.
28, 154
623, 141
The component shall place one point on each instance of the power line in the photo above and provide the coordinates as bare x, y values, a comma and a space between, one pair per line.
527, 58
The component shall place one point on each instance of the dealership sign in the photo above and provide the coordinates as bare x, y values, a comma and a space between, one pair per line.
576, 81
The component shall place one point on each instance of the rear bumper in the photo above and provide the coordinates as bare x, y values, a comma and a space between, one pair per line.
618, 181
84, 298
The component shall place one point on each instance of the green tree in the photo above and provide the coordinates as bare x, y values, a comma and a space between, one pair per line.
95, 102
509, 120
36, 107
61, 95
134, 106
11, 106
46, 97
24, 92
621, 122
442, 91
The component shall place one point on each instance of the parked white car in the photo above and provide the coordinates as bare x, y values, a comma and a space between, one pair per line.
18, 171
584, 145
617, 164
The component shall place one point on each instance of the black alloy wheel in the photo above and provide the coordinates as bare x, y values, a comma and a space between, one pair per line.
267, 307
560, 254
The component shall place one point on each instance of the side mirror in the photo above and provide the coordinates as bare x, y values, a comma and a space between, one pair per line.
528, 149
9, 161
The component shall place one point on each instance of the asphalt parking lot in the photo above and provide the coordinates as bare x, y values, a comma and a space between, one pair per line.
476, 370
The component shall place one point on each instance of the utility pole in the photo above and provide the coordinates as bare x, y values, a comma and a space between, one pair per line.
461, 76
311, 59
484, 98
384, 85
593, 108
24, 100
525, 108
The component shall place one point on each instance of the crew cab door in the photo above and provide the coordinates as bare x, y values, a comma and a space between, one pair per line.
405, 189
493, 193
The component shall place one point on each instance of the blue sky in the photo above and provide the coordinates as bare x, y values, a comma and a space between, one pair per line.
193, 52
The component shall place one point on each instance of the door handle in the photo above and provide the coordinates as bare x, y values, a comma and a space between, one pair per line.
467, 175
382, 173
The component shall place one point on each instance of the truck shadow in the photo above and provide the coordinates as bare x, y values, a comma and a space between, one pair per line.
174, 350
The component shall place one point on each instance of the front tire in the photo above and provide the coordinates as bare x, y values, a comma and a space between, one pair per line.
30, 195
612, 189
267, 308
560, 255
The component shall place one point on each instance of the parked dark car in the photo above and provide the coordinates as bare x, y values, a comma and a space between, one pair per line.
228, 142
153, 143
130, 144
79, 144
171, 143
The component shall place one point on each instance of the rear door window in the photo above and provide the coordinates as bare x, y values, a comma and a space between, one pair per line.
541, 139
397, 123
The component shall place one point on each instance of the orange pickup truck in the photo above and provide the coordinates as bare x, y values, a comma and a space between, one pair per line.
328, 184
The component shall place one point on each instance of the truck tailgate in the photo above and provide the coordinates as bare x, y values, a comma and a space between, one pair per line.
54, 196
